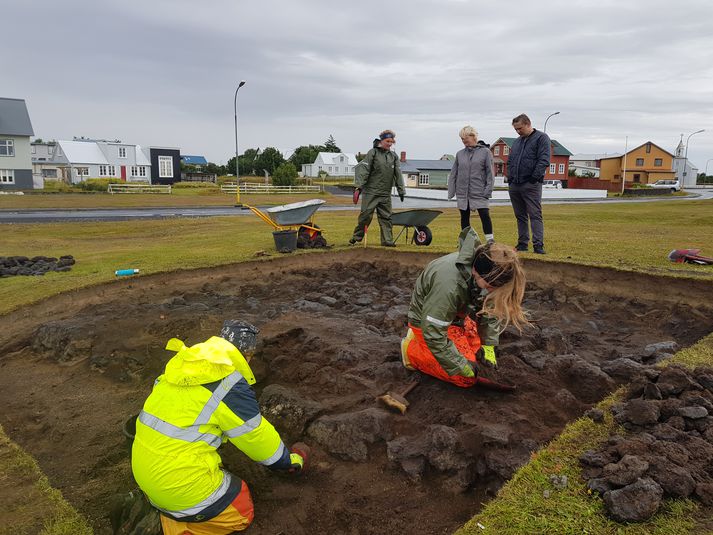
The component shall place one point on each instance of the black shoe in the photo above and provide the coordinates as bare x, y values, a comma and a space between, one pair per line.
539, 250
520, 247
388, 244
352, 241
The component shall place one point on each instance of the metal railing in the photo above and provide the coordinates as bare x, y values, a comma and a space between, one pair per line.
261, 188
138, 188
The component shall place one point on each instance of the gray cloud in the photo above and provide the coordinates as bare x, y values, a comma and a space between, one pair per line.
164, 72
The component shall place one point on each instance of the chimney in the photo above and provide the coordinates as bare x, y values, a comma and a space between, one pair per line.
403, 156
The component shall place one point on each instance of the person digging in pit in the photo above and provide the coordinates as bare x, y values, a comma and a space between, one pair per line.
459, 306
203, 399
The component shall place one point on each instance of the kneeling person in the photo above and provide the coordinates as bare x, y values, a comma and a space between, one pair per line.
202, 400
459, 306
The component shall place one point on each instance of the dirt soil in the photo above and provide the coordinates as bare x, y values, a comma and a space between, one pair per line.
74, 367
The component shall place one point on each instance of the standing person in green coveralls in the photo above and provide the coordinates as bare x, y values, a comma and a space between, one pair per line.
374, 177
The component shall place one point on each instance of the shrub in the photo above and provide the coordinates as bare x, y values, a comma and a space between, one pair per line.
193, 185
51, 186
285, 175
98, 184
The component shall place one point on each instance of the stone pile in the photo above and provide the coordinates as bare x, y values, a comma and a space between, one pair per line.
668, 450
37, 265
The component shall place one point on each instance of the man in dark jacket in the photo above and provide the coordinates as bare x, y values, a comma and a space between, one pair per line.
374, 177
527, 163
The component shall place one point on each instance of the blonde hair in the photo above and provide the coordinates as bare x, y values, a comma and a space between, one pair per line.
504, 302
468, 131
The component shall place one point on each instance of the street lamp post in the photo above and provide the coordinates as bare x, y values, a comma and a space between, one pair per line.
544, 129
685, 158
237, 172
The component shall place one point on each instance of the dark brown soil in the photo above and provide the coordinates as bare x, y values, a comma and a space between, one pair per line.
73, 368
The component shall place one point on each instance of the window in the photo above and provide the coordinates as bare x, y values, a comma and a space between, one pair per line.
107, 170
102, 170
637, 178
552, 168
658, 162
424, 179
165, 166
142, 171
639, 162
49, 173
496, 150
7, 176
122, 152
561, 169
82, 172
134, 171
648, 148
33, 149
506, 150
7, 148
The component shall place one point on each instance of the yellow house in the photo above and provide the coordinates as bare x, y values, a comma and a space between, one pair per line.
645, 164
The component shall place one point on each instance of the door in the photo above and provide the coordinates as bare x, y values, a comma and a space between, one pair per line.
123, 173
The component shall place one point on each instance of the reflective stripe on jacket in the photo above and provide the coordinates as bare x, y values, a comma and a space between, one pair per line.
174, 455
443, 293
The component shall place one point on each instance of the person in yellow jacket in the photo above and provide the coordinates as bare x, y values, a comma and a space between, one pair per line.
203, 399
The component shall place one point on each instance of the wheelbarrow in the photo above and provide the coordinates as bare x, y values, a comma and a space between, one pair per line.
418, 220
291, 221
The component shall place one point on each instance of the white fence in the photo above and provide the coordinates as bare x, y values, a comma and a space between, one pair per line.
138, 188
261, 188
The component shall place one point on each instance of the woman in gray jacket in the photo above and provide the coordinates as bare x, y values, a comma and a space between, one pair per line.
471, 180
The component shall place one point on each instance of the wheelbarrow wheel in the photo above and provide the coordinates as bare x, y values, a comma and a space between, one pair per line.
422, 236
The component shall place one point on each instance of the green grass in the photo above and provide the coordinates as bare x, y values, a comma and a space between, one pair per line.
36, 507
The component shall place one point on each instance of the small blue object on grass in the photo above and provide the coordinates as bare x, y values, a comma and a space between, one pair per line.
125, 272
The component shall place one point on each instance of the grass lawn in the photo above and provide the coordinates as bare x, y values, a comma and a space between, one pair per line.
633, 237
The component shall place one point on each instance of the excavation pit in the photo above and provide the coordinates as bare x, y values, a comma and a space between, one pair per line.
74, 367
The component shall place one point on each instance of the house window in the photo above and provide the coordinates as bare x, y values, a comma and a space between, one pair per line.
49, 173
7, 148
165, 166
552, 168
107, 170
142, 171
7, 176
506, 150
122, 152
134, 171
648, 148
82, 172
637, 178
102, 170
561, 169
33, 149
639, 162
423, 179
658, 162
496, 150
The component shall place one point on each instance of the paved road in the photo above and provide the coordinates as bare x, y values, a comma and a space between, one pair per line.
123, 214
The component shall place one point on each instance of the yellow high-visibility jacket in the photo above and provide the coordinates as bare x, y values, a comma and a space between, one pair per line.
202, 400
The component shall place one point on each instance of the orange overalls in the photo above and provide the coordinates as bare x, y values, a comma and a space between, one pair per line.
467, 342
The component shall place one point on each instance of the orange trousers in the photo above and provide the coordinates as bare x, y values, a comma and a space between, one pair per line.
465, 339
236, 517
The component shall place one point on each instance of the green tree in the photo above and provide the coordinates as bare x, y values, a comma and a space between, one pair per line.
285, 175
246, 161
330, 145
305, 154
268, 160
360, 156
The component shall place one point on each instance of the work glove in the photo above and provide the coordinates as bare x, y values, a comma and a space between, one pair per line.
486, 355
355, 196
401, 196
468, 370
299, 458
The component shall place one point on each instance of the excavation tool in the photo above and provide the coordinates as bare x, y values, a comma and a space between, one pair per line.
398, 401
484, 382
417, 220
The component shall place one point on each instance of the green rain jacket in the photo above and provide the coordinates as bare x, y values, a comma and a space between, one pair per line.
445, 291
378, 172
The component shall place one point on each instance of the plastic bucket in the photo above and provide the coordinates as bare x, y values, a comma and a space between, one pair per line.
241, 334
285, 240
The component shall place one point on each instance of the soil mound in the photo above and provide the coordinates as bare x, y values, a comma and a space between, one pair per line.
37, 265
668, 451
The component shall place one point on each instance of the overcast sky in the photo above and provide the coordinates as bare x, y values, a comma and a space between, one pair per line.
164, 72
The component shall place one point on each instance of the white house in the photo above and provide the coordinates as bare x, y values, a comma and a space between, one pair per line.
15, 132
84, 158
333, 163
686, 172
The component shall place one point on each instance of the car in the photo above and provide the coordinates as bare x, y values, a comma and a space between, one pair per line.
672, 185
552, 184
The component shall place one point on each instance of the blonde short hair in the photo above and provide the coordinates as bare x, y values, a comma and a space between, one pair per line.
468, 131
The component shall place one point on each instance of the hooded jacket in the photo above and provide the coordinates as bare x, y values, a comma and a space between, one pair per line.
444, 291
201, 401
379, 172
